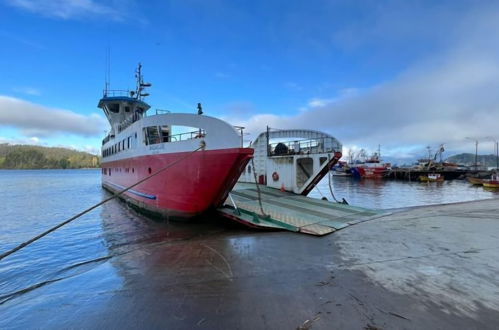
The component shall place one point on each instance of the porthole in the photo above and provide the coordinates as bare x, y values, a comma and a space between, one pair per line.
149, 170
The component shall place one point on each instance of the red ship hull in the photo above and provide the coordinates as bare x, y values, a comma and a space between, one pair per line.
372, 172
196, 184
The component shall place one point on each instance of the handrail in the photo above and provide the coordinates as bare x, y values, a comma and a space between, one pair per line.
311, 146
116, 92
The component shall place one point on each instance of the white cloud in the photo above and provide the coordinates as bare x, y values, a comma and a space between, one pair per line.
69, 9
425, 105
316, 102
28, 90
442, 98
39, 121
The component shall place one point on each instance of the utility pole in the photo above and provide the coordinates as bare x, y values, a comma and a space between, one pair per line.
496, 150
476, 152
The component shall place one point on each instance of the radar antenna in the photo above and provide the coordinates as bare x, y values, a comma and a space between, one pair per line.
141, 85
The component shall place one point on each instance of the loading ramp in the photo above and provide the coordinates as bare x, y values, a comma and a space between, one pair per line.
288, 211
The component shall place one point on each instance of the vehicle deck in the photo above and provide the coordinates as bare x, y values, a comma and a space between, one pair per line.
285, 210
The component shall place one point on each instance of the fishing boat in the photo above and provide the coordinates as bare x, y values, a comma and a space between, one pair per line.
475, 181
341, 169
493, 182
371, 168
432, 177
199, 158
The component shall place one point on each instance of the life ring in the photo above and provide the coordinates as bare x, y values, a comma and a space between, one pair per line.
275, 176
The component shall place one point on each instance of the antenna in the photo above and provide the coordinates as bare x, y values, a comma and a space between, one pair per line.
141, 85
107, 73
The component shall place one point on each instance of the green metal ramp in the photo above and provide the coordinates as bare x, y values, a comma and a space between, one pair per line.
284, 210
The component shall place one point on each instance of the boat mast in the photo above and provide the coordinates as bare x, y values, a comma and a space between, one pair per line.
141, 85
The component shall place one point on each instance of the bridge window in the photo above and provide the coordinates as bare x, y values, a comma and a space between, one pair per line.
114, 107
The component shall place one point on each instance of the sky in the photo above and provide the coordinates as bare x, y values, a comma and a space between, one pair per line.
401, 74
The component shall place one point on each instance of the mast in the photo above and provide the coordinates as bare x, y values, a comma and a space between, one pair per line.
141, 85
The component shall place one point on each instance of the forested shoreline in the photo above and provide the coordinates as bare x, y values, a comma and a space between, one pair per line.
37, 157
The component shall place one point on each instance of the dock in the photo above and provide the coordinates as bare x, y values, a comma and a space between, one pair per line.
289, 211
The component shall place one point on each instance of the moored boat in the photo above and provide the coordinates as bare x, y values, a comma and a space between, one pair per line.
475, 181
432, 177
493, 182
139, 145
372, 168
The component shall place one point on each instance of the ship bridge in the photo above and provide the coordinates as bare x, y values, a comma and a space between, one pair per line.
124, 107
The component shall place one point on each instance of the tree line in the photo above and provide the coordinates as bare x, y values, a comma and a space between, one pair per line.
36, 157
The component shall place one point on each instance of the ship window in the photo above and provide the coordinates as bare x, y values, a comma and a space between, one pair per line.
123, 147
249, 169
165, 133
152, 135
127, 109
128, 142
322, 160
114, 107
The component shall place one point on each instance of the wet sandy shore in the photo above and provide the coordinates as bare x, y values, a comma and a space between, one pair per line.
424, 268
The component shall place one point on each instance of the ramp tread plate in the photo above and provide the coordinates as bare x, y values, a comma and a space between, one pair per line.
309, 212
338, 206
334, 224
317, 230
249, 219
338, 214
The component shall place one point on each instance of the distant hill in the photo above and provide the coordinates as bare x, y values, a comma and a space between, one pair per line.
36, 157
469, 159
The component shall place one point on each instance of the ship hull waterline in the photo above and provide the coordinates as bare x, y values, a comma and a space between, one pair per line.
193, 186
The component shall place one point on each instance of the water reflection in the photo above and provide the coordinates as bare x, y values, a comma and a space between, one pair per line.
389, 194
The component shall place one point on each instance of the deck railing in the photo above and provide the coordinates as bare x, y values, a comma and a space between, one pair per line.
302, 147
116, 92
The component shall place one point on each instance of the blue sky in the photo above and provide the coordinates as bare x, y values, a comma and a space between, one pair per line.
403, 74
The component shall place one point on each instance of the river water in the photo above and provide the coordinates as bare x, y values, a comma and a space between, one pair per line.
45, 275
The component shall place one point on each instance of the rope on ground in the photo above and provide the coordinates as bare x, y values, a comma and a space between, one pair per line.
258, 190
22, 245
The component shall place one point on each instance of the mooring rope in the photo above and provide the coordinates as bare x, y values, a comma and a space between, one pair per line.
258, 190
330, 186
22, 245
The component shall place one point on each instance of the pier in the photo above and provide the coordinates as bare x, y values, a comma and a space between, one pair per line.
413, 174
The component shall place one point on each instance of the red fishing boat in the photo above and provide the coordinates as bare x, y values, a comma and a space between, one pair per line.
372, 168
140, 144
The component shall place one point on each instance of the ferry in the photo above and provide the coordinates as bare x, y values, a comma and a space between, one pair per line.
205, 155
